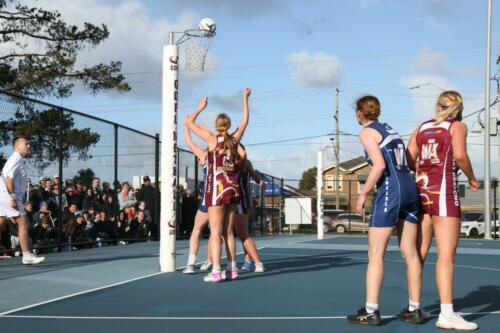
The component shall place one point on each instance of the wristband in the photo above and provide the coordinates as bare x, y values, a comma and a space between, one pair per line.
13, 196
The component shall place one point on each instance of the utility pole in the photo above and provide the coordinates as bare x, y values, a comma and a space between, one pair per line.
487, 120
337, 151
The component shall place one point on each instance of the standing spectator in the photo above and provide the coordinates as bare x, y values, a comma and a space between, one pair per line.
69, 197
147, 194
53, 201
55, 180
89, 200
79, 193
35, 197
96, 189
106, 189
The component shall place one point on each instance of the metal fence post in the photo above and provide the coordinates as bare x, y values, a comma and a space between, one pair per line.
115, 171
59, 195
157, 187
262, 204
281, 205
272, 202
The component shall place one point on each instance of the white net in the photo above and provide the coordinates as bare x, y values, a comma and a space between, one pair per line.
195, 52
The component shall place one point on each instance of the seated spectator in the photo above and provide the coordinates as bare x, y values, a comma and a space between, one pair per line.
28, 208
69, 213
76, 233
147, 213
101, 229
139, 228
43, 208
126, 199
106, 189
45, 235
35, 197
78, 193
109, 206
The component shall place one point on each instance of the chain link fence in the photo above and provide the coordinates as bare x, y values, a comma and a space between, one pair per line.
340, 214
82, 167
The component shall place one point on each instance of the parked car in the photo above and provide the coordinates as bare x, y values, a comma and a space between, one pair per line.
472, 224
349, 222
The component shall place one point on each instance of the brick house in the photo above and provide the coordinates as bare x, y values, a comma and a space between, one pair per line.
352, 175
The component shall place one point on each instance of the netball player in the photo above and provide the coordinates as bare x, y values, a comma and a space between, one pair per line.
438, 148
223, 190
396, 199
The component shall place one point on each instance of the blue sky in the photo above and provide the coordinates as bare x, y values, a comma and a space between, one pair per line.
292, 54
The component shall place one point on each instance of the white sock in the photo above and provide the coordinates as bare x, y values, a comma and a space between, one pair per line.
371, 308
216, 269
191, 260
447, 309
233, 265
412, 306
26, 254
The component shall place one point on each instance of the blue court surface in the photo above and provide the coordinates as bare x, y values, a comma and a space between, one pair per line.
308, 286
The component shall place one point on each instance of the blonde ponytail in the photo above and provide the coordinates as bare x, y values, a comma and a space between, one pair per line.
450, 105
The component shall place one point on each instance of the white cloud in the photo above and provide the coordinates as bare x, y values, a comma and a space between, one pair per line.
314, 69
136, 39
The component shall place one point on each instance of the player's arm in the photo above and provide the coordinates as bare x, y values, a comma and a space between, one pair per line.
412, 151
244, 122
8, 172
459, 144
200, 153
255, 176
370, 139
201, 132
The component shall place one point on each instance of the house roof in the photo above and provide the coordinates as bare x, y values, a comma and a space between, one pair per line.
350, 165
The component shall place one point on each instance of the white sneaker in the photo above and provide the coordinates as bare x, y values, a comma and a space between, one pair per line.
32, 259
259, 268
188, 270
206, 266
455, 322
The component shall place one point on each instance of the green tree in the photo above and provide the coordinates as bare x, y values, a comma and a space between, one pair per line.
43, 50
85, 176
42, 61
308, 180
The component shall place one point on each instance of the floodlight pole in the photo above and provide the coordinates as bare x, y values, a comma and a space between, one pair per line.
170, 86
319, 196
487, 158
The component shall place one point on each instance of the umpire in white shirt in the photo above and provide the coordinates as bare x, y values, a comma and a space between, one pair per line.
12, 191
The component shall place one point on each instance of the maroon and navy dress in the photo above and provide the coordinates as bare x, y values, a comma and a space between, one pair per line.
223, 186
437, 170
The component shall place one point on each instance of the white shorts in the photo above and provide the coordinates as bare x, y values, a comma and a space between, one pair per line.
6, 210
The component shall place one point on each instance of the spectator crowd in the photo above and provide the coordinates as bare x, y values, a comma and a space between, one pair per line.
92, 215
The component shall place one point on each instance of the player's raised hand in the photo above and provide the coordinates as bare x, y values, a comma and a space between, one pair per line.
247, 92
203, 103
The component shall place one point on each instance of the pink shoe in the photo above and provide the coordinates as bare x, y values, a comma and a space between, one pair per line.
213, 277
230, 275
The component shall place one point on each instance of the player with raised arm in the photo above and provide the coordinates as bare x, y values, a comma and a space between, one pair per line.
223, 191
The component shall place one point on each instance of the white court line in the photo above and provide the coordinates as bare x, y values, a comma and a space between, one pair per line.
216, 318
365, 258
3, 314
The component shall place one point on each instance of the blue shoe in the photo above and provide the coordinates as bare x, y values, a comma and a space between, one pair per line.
247, 266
